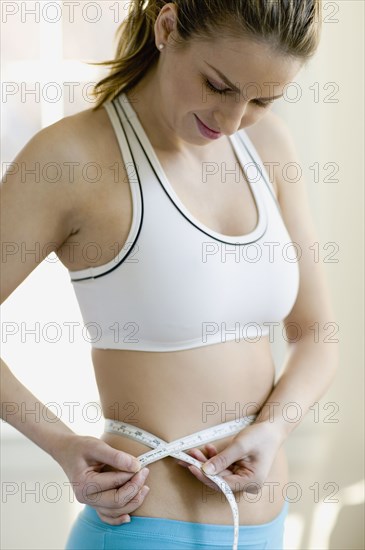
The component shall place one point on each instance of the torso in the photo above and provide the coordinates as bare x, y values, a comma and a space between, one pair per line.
166, 393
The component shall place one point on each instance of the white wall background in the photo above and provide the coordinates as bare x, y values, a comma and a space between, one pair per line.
323, 455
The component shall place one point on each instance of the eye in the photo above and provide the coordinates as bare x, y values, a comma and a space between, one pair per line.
211, 87
263, 103
214, 89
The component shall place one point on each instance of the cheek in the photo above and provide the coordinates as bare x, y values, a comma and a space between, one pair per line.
184, 87
187, 91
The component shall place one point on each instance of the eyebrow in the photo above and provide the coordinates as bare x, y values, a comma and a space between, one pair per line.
235, 88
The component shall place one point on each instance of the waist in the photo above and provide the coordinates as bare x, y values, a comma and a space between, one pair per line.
172, 393
194, 501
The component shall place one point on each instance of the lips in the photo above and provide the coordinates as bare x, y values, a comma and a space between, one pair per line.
208, 127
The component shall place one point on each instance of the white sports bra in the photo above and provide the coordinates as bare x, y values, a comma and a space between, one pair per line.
177, 284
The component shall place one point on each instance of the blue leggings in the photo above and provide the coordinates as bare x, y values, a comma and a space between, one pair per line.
89, 532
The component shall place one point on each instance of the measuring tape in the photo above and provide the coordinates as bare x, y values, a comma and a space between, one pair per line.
161, 448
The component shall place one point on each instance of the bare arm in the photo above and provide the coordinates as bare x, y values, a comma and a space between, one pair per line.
33, 211
311, 329
51, 435
47, 213
312, 359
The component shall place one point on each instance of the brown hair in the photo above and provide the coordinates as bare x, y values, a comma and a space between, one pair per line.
291, 27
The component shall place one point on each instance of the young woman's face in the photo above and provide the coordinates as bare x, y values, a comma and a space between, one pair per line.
192, 81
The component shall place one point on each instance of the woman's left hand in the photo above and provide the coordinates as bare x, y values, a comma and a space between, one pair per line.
245, 463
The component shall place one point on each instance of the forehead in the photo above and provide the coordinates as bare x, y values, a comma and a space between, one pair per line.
244, 61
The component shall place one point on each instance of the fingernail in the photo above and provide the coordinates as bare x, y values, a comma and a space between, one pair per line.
145, 472
145, 490
208, 468
136, 466
127, 520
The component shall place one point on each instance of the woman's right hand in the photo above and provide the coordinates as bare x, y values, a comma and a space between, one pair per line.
113, 494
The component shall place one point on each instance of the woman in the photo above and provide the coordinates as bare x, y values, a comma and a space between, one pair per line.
194, 275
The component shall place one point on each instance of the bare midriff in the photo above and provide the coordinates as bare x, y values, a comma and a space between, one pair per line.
173, 394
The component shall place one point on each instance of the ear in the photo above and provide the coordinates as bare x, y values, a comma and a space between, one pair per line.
166, 23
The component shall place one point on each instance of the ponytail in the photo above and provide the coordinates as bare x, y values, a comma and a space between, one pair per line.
136, 51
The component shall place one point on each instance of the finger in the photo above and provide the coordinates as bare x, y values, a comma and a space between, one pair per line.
187, 465
224, 459
118, 513
99, 482
130, 490
181, 463
211, 450
137, 500
124, 518
118, 497
243, 482
104, 453
195, 453
231, 480
199, 455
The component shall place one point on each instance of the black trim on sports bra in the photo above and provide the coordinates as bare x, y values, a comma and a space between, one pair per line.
176, 206
142, 210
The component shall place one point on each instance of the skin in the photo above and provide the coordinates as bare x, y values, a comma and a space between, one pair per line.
165, 102
178, 79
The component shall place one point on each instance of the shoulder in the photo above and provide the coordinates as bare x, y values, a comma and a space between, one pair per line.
78, 148
55, 156
74, 135
273, 141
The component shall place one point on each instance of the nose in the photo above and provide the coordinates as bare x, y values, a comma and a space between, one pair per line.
229, 117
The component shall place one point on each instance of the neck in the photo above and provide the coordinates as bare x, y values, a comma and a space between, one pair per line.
146, 100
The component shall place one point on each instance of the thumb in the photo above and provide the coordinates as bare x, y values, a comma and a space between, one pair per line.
223, 460
113, 457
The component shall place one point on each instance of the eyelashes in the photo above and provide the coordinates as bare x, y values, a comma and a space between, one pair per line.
215, 90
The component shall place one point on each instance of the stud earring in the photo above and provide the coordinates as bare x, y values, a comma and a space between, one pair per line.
161, 47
